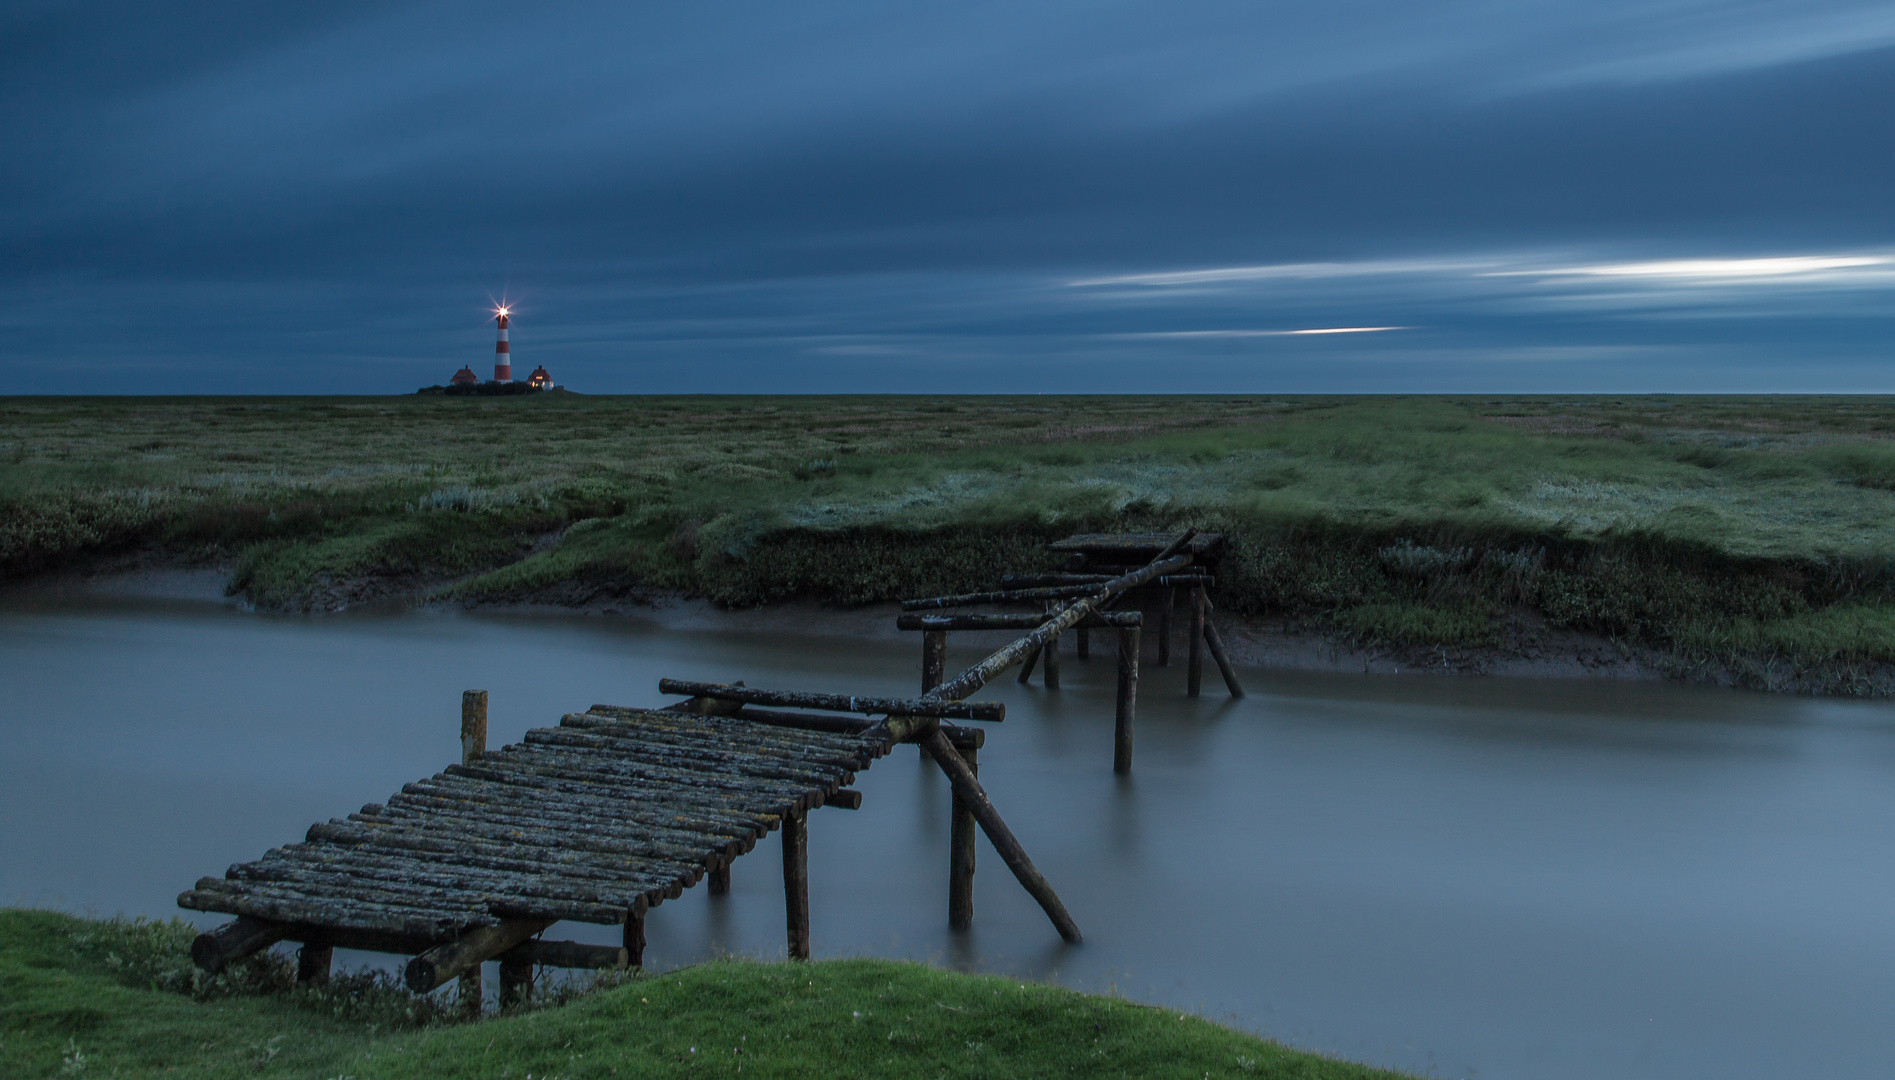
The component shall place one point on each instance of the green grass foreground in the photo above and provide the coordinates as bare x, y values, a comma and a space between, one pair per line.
118, 999
1753, 536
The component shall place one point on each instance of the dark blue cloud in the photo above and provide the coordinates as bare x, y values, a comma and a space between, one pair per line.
751, 196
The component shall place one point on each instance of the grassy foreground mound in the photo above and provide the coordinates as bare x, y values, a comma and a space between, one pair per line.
1750, 538
117, 998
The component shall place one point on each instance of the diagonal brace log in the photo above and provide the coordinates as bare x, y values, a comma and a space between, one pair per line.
969, 791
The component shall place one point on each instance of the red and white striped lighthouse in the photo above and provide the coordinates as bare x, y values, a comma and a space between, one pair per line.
502, 359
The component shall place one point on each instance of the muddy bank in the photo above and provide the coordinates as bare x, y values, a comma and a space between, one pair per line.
1531, 649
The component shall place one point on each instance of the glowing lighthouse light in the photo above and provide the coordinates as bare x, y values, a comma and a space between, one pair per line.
502, 359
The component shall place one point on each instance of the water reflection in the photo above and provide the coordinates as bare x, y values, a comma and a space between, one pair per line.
1474, 877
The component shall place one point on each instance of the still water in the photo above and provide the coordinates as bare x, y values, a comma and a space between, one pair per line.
1493, 878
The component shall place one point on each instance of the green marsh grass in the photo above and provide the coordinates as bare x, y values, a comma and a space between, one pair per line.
1753, 534
119, 998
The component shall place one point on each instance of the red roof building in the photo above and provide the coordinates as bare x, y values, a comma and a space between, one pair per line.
540, 380
465, 377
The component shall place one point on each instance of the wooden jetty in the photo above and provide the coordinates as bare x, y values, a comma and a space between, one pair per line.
1094, 560
617, 809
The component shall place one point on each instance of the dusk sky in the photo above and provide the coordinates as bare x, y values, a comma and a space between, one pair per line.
1607, 196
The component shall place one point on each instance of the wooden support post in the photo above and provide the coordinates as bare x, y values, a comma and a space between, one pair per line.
1082, 647
933, 667
720, 880
473, 725
1194, 662
516, 978
933, 659
312, 963
1128, 700
473, 744
1002, 838
796, 883
635, 933
961, 850
1167, 599
1216, 645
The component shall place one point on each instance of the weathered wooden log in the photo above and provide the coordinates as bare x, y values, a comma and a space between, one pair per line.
498, 874
1015, 856
1035, 581
1000, 596
556, 875
323, 892
1129, 547
741, 768
734, 732
796, 884
1187, 581
636, 780
474, 823
720, 881
404, 921
821, 729
569, 954
443, 962
967, 682
844, 799
713, 818
1216, 645
683, 750
733, 735
675, 827
954, 709
573, 814
1125, 714
1100, 620
473, 725
1194, 660
660, 770
961, 834
343, 879
393, 840
214, 950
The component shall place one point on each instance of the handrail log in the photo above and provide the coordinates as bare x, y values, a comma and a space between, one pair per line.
939, 708
1101, 620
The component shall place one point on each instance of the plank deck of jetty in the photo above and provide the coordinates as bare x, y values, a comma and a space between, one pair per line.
580, 821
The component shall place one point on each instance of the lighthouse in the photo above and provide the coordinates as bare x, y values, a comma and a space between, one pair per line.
502, 359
